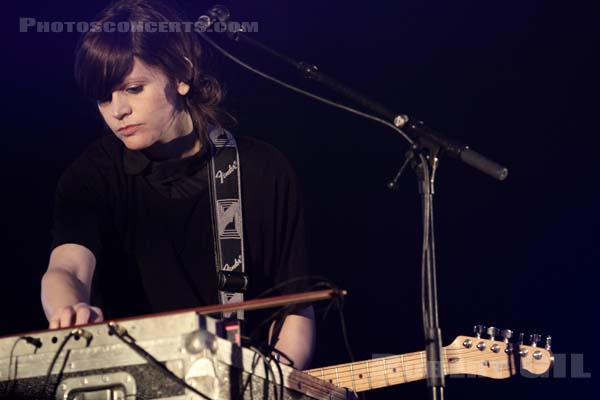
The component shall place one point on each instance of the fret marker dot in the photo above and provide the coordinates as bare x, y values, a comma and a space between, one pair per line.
331, 381
394, 370
359, 376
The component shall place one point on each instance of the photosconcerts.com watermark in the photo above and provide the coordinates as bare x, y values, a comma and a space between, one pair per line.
31, 25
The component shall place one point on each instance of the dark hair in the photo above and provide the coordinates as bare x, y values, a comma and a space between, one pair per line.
104, 59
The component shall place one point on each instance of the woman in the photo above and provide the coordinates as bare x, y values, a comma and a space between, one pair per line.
132, 225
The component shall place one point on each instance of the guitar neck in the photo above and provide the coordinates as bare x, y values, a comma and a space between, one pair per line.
376, 373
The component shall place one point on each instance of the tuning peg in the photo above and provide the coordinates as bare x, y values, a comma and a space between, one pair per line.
506, 334
548, 342
521, 338
478, 329
493, 332
535, 339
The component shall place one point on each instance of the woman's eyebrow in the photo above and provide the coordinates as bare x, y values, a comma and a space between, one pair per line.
134, 79
137, 78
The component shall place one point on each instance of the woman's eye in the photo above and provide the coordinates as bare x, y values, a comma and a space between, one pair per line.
135, 89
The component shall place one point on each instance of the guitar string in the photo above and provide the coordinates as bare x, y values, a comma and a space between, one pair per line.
411, 361
378, 381
407, 357
378, 371
411, 374
293, 380
315, 387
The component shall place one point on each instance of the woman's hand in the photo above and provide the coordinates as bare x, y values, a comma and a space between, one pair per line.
77, 314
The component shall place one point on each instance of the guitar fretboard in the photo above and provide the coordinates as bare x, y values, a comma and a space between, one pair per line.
376, 373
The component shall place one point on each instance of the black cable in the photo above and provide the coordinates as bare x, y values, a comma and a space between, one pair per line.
249, 379
278, 365
435, 316
335, 301
8, 388
424, 180
284, 310
339, 301
271, 317
288, 282
54, 359
322, 282
267, 362
279, 318
428, 278
303, 92
281, 354
37, 343
257, 356
130, 341
344, 331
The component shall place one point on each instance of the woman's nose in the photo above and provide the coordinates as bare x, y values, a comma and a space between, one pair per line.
120, 106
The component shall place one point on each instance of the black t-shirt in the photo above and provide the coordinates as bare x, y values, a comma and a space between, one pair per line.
149, 225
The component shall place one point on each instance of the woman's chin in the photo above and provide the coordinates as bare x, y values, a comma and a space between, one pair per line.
134, 142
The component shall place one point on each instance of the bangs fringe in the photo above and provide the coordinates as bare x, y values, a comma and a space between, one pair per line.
103, 61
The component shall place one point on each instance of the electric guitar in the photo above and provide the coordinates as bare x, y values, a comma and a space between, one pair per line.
465, 355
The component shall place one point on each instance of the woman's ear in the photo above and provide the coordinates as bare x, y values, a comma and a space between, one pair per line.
183, 88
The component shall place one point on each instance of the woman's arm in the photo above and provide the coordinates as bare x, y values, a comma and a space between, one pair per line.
66, 287
297, 337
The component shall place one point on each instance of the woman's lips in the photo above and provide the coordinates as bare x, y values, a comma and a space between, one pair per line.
129, 129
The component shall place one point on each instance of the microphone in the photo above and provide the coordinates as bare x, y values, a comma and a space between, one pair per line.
216, 13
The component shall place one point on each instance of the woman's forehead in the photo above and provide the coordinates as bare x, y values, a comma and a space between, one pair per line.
142, 71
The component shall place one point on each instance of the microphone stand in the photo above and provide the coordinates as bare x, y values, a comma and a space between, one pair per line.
425, 171
426, 145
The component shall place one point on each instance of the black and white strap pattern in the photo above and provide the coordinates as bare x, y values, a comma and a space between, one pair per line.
226, 194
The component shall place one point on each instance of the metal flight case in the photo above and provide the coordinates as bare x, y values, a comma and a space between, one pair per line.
93, 362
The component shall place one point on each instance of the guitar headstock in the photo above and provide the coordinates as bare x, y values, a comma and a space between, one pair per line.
498, 359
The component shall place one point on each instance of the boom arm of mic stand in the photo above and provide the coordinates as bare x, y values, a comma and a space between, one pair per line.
310, 71
415, 129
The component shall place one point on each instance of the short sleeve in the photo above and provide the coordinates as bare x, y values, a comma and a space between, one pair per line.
291, 261
274, 211
80, 209
273, 221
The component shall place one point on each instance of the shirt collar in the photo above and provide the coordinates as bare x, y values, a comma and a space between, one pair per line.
135, 162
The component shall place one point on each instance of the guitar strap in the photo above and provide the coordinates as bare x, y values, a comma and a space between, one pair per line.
226, 204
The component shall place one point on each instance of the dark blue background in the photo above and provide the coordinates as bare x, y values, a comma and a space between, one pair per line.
514, 79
